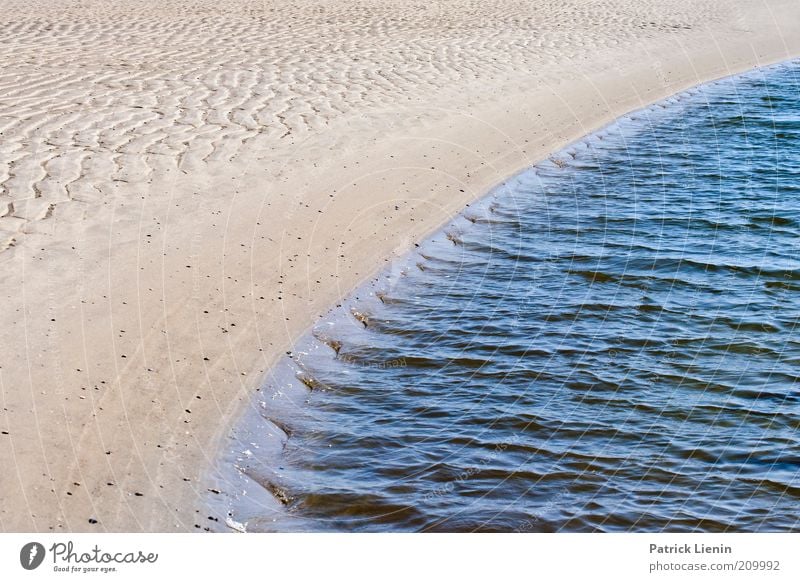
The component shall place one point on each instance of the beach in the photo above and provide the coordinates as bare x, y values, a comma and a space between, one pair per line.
186, 187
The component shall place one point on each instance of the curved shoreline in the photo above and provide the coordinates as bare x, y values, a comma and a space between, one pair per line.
137, 322
248, 488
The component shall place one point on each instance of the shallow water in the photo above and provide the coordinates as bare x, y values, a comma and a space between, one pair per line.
605, 343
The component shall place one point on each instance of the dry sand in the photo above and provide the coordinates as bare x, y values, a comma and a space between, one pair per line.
186, 186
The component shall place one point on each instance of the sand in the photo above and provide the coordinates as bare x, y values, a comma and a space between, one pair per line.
185, 187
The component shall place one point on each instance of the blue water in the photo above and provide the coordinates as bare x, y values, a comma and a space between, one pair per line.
606, 343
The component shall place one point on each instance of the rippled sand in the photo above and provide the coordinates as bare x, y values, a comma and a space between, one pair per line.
186, 186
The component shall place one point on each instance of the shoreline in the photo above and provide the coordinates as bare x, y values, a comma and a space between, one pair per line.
245, 485
128, 415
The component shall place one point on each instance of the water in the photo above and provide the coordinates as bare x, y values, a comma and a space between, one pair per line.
606, 343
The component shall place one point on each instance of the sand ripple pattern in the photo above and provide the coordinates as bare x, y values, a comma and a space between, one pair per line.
99, 94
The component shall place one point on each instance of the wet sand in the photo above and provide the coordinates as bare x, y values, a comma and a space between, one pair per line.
186, 187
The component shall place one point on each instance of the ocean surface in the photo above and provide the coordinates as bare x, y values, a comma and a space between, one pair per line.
607, 342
